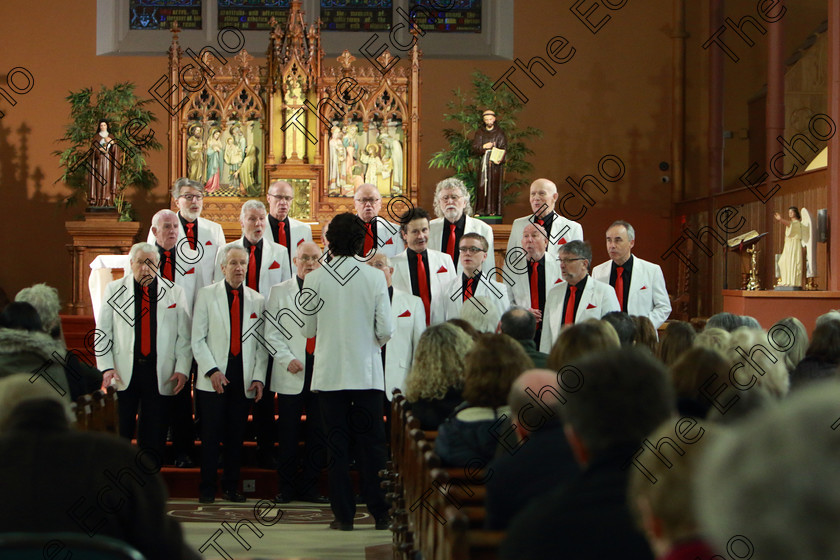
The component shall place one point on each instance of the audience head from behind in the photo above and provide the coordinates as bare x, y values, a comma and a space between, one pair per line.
734, 406
481, 313
714, 338
518, 323
646, 336
677, 338
696, 374
464, 326
772, 480
346, 235
822, 357
21, 316
724, 320
624, 326
661, 496
439, 362
749, 322
45, 300
756, 359
17, 391
833, 315
492, 365
527, 417
619, 397
580, 339
795, 351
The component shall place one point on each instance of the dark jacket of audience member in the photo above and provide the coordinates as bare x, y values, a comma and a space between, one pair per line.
822, 357
433, 412
468, 434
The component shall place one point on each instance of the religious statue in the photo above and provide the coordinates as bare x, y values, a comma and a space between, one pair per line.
393, 152
195, 155
214, 160
104, 168
336, 168
490, 143
233, 158
246, 170
790, 263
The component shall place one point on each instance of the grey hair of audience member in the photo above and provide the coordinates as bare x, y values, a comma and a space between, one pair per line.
799, 344
724, 320
713, 338
624, 326
518, 323
17, 389
144, 247
185, 182
763, 356
159, 216
832, 315
481, 312
452, 183
45, 300
750, 322
251, 205
578, 248
621, 396
773, 480
746, 404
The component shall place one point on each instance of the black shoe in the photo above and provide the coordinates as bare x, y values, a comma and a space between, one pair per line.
383, 523
282, 498
207, 499
336, 524
233, 496
313, 499
184, 462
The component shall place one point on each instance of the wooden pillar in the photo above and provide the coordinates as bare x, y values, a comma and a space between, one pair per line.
716, 89
775, 126
678, 108
834, 144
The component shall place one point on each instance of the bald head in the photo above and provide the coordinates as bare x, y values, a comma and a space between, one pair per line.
280, 197
306, 258
543, 197
532, 386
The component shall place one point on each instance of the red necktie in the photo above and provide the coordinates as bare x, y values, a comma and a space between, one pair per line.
541, 222
368, 238
167, 268
468, 293
535, 285
570, 307
252, 270
145, 324
619, 286
310, 345
423, 286
191, 235
450, 245
281, 234
235, 325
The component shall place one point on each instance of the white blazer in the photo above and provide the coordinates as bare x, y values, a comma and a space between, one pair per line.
597, 300
285, 340
453, 296
409, 318
211, 336
441, 272
116, 320
345, 306
562, 231
520, 290
388, 239
187, 276
648, 295
274, 266
470, 226
300, 232
211, 238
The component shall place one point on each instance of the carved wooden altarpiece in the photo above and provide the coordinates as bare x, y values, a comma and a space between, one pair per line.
239, 126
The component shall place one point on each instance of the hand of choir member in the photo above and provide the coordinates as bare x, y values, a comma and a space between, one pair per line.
108, 376
258, 387
295, 366
180, 380
219, 381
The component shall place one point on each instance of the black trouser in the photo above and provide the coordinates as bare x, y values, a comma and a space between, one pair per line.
223, 420
265, 427
354, 415
314, 453
183, 426
142, 392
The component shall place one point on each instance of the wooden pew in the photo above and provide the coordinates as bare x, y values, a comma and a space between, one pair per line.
463, 542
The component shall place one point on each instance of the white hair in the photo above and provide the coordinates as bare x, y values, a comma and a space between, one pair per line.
184, 182
772, 480
142, 248
230, 247
159, 215
453, 184
481, 312
44, 299
755, 344
252, 204
832, 315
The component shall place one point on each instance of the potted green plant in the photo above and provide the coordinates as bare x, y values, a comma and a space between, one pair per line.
103, 160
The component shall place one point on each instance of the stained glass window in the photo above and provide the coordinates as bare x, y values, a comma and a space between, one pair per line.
356, 15
160, 14
462, 16
251, 15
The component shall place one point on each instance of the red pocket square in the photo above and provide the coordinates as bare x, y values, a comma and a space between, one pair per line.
172, 306
253, 315
441, 270
209, 242
644, 287
190, 271
390, 241
558, 280
405, 313
562, 241
274, 265
299, 242
590, 306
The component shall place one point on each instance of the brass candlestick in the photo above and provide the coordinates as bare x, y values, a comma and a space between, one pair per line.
753, 283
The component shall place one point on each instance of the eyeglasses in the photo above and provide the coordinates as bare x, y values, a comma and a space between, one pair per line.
191, 197
278, 197
567, 261
308, 258
370, 201
472, 250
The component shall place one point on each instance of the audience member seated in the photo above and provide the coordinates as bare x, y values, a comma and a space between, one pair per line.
464, 326
521, 325
741, 405
646, 336
833, 315
769, 485
724, 320
795, 351
89, 483
662, 494
483, 314
750, 322
822, 357
579, 339
698, 373
26, 348
760, 362
82, 377
538, 457
467, 436
677, 338
624, 326
434, 384
625, 396
713, 339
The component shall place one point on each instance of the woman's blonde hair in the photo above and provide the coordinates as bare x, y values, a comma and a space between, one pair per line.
438, 362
